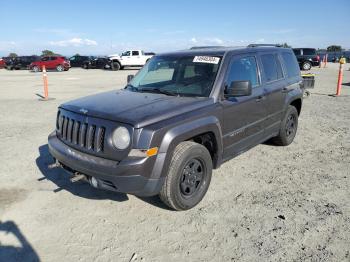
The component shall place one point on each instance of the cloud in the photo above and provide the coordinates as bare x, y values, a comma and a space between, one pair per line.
74, 42
207, 41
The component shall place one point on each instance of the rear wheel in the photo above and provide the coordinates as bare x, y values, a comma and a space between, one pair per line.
306, 66
115, 66
188, 177
85, 66
288, 128
60, 68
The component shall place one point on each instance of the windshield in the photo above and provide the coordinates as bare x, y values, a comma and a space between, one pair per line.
177, 75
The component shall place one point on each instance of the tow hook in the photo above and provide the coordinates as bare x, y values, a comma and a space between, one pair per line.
77, 176
54, 165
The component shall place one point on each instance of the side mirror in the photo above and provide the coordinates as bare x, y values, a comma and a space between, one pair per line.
239, 88
129, 78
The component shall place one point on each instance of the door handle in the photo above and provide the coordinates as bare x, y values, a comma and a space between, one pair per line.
285, 90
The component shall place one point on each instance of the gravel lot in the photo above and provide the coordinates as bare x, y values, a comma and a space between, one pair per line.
269, 204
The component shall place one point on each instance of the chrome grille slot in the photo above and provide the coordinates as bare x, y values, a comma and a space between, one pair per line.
83, 135
70, 129
100, 139
91, 137
76, 128
65, 125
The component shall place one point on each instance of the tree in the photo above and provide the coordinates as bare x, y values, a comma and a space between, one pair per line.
13, 55
285, 45
47, 53
77, 54
334, 48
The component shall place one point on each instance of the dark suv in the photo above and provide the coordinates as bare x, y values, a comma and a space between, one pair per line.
180, 116
307, 57
20, 62
97, 63
78, 60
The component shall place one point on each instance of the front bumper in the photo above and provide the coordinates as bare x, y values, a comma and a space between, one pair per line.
131, 175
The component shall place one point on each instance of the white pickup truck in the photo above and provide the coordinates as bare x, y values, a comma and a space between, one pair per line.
129, 58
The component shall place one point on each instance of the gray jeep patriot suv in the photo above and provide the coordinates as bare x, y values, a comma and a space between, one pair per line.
183, 114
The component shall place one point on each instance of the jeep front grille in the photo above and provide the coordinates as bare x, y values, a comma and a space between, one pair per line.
88, 136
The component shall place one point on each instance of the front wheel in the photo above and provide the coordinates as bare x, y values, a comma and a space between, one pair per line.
188, 177
288, 128
36, 69
115, 66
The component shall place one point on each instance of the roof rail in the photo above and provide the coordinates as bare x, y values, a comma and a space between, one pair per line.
258, 45
206, 47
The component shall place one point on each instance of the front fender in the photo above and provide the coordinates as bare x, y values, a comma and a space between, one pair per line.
184, 132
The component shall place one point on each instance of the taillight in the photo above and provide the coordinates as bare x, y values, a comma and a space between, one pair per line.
318, 58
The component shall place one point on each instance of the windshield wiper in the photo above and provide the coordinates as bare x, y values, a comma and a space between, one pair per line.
133, 88
159, 91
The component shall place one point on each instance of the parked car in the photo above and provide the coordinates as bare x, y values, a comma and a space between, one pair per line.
183, 114
307, 57
20, 62
78, 60
97, 63
60, 63
130, 58
2, 63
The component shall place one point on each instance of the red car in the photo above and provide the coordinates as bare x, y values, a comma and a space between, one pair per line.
2, 63
60, 63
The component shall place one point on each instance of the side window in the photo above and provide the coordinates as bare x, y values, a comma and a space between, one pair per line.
45, 58
135, 53
244, 69
73, 58
53, 58
272, 67
290, 64
309, 51
127, 53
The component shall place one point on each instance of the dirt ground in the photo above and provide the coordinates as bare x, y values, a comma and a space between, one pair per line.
269, 204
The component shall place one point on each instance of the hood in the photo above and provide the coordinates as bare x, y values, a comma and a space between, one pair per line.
114, 56
134, 108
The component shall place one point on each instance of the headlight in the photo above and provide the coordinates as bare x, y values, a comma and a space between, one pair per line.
121, 138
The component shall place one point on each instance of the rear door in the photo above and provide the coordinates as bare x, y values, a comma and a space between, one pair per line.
275, 88
135, 58
243, 116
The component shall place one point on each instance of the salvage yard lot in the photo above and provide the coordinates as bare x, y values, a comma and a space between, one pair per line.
271, 203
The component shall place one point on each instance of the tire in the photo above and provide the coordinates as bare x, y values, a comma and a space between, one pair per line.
188, 176
85, 66
60, 68
288, 128
306, 66
36, 69
115, 66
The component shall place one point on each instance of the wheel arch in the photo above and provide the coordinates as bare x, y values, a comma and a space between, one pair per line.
297, 103
207, 127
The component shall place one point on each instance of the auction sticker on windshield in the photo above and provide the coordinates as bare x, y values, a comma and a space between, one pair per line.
206, 59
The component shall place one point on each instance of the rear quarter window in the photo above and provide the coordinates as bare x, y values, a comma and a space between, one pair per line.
272, 67
290, 64
297, 51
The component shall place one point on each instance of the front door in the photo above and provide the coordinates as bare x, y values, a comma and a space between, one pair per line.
244, 117
126, 58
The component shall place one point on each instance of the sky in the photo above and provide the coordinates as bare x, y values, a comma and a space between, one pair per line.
106, 27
